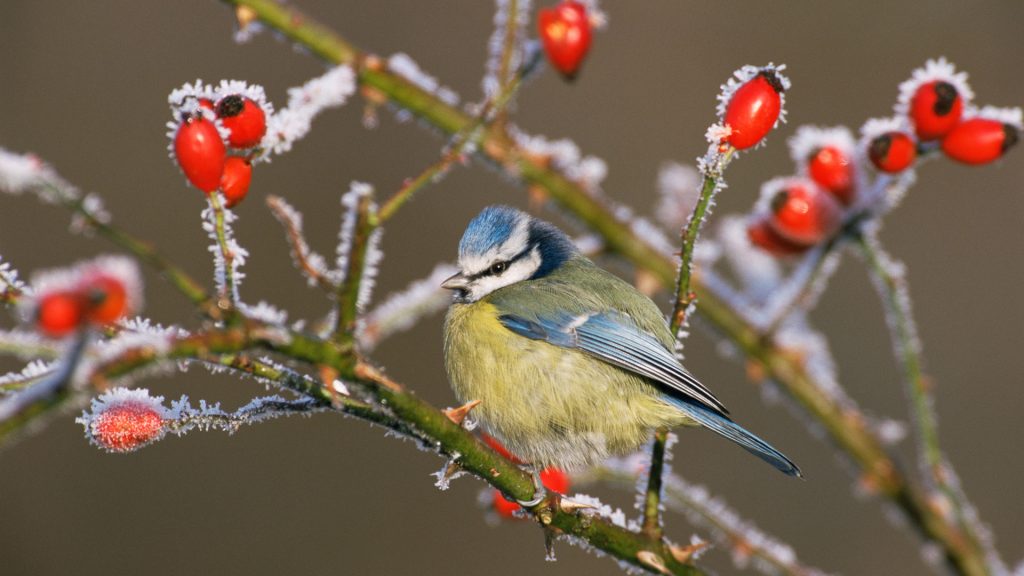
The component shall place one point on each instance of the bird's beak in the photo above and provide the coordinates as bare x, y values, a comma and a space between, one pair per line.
455, 282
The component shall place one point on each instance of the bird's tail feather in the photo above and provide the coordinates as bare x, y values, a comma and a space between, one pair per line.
733, 431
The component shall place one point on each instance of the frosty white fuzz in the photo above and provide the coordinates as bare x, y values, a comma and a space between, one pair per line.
809, 139
678, 192
9, 279
311, 264
746, 74
1007, 115
33, 371
565, 156
306, 102
21, 172
226, 283
932, 71
758, 271
264, 312
496, 44
401, 310
403, 65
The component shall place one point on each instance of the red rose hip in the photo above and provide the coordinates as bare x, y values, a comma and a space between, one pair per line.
753, 109
60, 313
200, 152
935, 109
234, 183
244, 118
761, 234
565, 33
804, 214
832, 169
892, 152
127, 426
106, 298
979, 141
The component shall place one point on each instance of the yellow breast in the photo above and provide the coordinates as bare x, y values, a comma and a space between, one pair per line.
548, 405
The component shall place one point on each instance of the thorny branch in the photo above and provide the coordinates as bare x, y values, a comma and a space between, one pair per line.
848, 430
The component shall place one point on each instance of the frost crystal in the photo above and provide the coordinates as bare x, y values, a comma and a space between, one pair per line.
21, 172
401, 310
227, 275
9, 282
302, 255
264, 312
305, 102
350, 201
35, 370
1011, 116
565, 156
933, 70
124, 420
809, 139
403, 65
679, 190
758, 271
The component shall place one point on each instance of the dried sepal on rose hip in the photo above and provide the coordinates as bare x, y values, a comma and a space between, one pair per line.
95, 292
983, 138
827, 156
565, 33
934, 99
800, 211
751, 104
123, 420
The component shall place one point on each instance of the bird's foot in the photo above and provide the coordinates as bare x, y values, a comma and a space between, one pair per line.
539, 491
458, 415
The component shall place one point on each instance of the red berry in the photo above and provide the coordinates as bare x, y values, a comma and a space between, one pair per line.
833, 171
493, 443
200, 152
761, 235
127, 426
935, 109
207, 104
106, 299
805, 214
244, 118
555, 479
60, 313
234, 183
503, 506
979, 140
565, 33
892, 152
753, 109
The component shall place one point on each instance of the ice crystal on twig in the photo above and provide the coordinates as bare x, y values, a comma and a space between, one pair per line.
565, 155
305, 103
311, 264
351, 201
401, 310
498, 44
228, 255
10, 285
403, 65
678, 192
32, 372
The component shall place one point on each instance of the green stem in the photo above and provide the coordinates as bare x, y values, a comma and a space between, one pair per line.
652, 497
348, 290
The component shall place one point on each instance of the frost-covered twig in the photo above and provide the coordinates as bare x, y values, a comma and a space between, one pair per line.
312, 265
228, 255
889, 279
750, 546
24, 406
401, 310
358, 256
11, 288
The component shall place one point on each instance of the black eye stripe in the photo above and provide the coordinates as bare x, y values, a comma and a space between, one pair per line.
508, 264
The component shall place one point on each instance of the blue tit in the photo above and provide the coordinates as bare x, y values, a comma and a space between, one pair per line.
570, 363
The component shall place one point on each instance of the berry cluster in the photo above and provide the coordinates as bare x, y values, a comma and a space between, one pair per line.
834, 181
552, 478
94, 293
210, 121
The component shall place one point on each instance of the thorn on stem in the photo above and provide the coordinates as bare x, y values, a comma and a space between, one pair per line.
652, 561
683, 554
458, 415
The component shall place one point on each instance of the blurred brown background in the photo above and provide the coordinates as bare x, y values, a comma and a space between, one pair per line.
84, 85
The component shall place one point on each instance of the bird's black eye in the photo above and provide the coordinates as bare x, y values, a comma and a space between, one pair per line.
498, 268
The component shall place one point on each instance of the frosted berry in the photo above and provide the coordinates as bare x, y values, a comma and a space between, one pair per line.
832, 169
200, 152
760, 234
979, 140
244, 118
106, 299
892, 152
565, 32
804, 214
60, 313
753, 109
127, 426
935, 109
234, 183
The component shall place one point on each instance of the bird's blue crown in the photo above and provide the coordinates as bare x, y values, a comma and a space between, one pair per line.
498, 226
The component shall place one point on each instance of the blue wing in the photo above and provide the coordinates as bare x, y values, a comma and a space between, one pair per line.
614, 338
